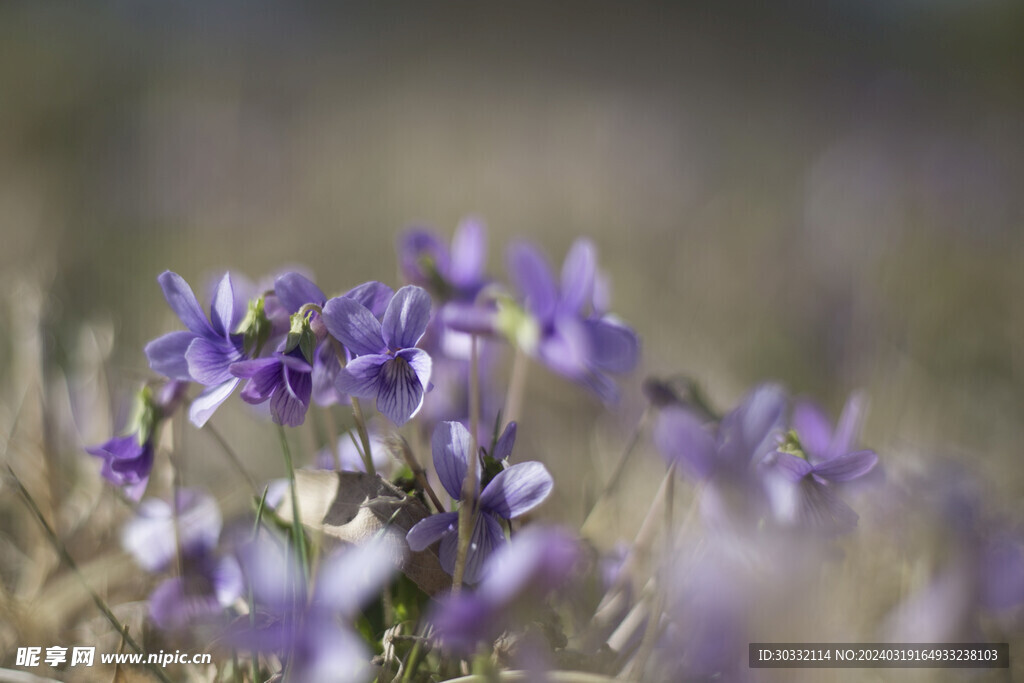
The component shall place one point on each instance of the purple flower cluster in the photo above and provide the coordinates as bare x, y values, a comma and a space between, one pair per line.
773, 482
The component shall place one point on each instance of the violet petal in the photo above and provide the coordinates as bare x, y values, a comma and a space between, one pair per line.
517, 490
353, 325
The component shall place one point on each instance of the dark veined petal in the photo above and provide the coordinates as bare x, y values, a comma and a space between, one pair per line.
614, 346
353, 325
209, 361
486, 538
290, 401
401, 394
420, 362
294, 291
469, 254
206, 403
427, 531
813, 428
406, 317
684, 440
532, 276
222, 311
450, 445
373, 295
264, 374
183, 302
821, 509
578, 277
848, 426
361, 376
846, 467
166, 354
503, 446
517, 490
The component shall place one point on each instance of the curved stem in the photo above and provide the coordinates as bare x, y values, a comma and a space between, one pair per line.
467, 510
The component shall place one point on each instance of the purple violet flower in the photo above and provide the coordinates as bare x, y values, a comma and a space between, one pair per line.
205, 351
574, 336
512, 492
386, 366
126, 463
128, 460
535, 562
811, 460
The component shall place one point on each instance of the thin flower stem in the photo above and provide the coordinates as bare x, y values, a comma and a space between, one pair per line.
232, 456
357, 413
255, 665
516, 387
467, 510
65, 557
620, 466
364, 436
657, 599
417, 470
297, 532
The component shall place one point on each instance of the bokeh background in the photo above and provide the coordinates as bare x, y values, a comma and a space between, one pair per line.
824, 194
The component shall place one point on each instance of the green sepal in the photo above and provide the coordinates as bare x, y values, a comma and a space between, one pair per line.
436, 282
301, 335
517, 325
145, 415
491, 469
255, 327
791, 444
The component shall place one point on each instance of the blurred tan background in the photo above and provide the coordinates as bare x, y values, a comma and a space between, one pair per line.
823, 194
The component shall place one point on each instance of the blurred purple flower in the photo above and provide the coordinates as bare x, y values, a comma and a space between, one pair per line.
512, 492
386, 365
207, 583
314, 637
455, 274
706, 451
126, 463
283, 379
811, 460
724, 455
574, 337
205, 351
535, 562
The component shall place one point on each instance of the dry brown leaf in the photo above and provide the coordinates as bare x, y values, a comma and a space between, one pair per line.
351, 507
